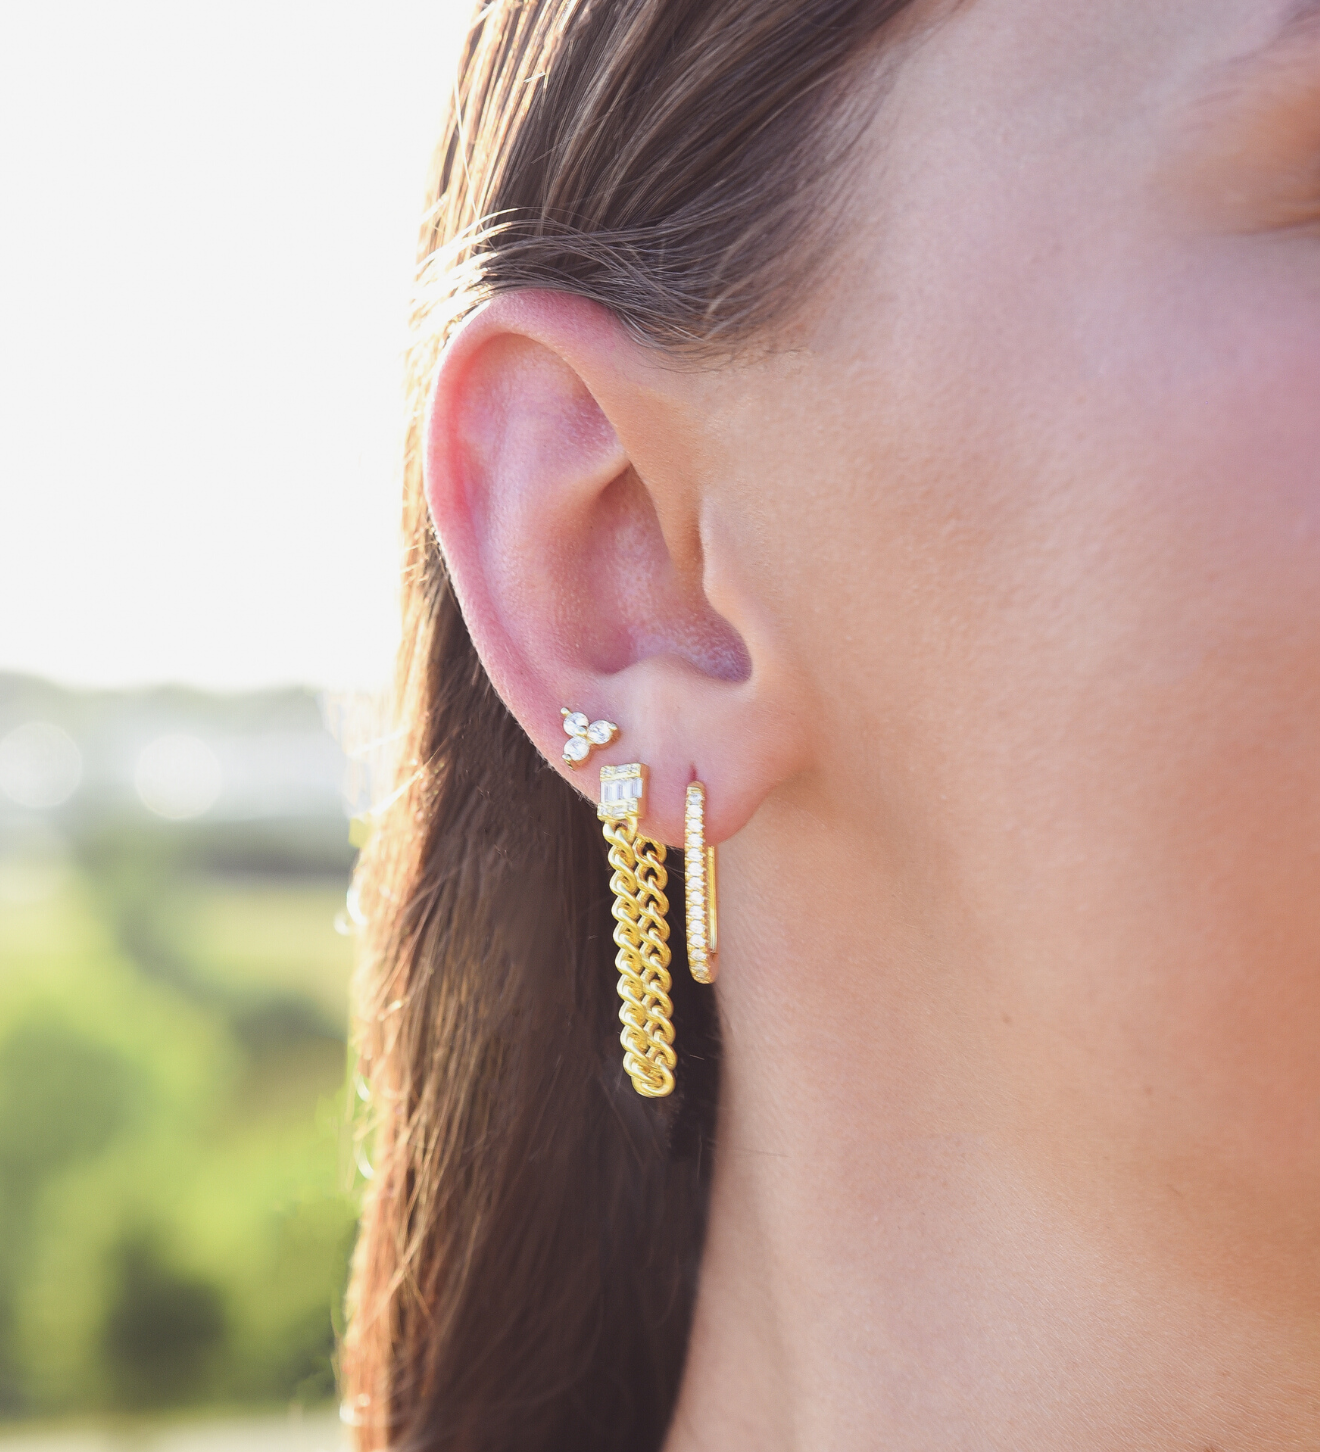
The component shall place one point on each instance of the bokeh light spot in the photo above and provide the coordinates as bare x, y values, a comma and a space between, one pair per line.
178, 777
40, 766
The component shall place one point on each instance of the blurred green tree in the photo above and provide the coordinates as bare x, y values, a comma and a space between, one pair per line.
64, 1098
163, 1328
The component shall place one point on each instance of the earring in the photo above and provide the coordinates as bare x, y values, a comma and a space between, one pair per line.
699, 879
583, 735
640, 931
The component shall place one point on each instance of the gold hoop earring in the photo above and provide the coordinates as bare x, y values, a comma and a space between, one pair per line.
699, 879
640, 931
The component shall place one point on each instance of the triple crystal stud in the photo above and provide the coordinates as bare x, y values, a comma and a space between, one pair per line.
583, 735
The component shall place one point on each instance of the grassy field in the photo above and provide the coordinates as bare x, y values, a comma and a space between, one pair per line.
175, 1210
319, 1431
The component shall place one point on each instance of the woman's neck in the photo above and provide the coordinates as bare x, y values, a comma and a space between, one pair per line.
919, 1240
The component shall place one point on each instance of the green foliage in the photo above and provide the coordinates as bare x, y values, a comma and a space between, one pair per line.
65, 1098
174, 1218
161, 1328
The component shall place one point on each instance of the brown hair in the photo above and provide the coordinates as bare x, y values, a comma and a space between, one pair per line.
531, 1235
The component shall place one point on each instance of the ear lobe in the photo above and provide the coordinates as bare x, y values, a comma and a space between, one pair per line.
574, 536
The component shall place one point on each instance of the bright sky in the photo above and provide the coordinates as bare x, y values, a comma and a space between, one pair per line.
209, 216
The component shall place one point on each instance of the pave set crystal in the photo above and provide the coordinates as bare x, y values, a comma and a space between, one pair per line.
699, 876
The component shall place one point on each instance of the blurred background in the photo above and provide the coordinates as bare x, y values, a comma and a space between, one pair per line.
209, 216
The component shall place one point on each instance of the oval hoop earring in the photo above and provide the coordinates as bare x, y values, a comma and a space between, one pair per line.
699, 878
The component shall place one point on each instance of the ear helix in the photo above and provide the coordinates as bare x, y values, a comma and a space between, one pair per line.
641, 928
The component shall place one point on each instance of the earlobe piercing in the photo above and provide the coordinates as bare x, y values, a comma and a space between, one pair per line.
640, 931
583, 735
699, 880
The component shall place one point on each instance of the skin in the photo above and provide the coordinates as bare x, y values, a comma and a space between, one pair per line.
987, 606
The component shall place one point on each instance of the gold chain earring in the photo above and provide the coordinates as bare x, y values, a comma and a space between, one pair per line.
699, 879
640, 931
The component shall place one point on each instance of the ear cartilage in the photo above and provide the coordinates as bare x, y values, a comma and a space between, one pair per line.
583, 735
699, 880
641, 932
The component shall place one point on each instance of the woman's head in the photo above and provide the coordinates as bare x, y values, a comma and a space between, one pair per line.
527, 1264
936, 480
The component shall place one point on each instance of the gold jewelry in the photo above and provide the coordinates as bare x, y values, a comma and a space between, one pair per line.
583, 735
640, 930
699, 877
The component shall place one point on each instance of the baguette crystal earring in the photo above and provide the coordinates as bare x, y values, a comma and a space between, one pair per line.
641, 931
699, 880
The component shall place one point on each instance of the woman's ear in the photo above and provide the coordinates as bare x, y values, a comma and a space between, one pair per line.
564, 476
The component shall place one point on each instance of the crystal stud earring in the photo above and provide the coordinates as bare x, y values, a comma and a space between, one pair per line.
583, 735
